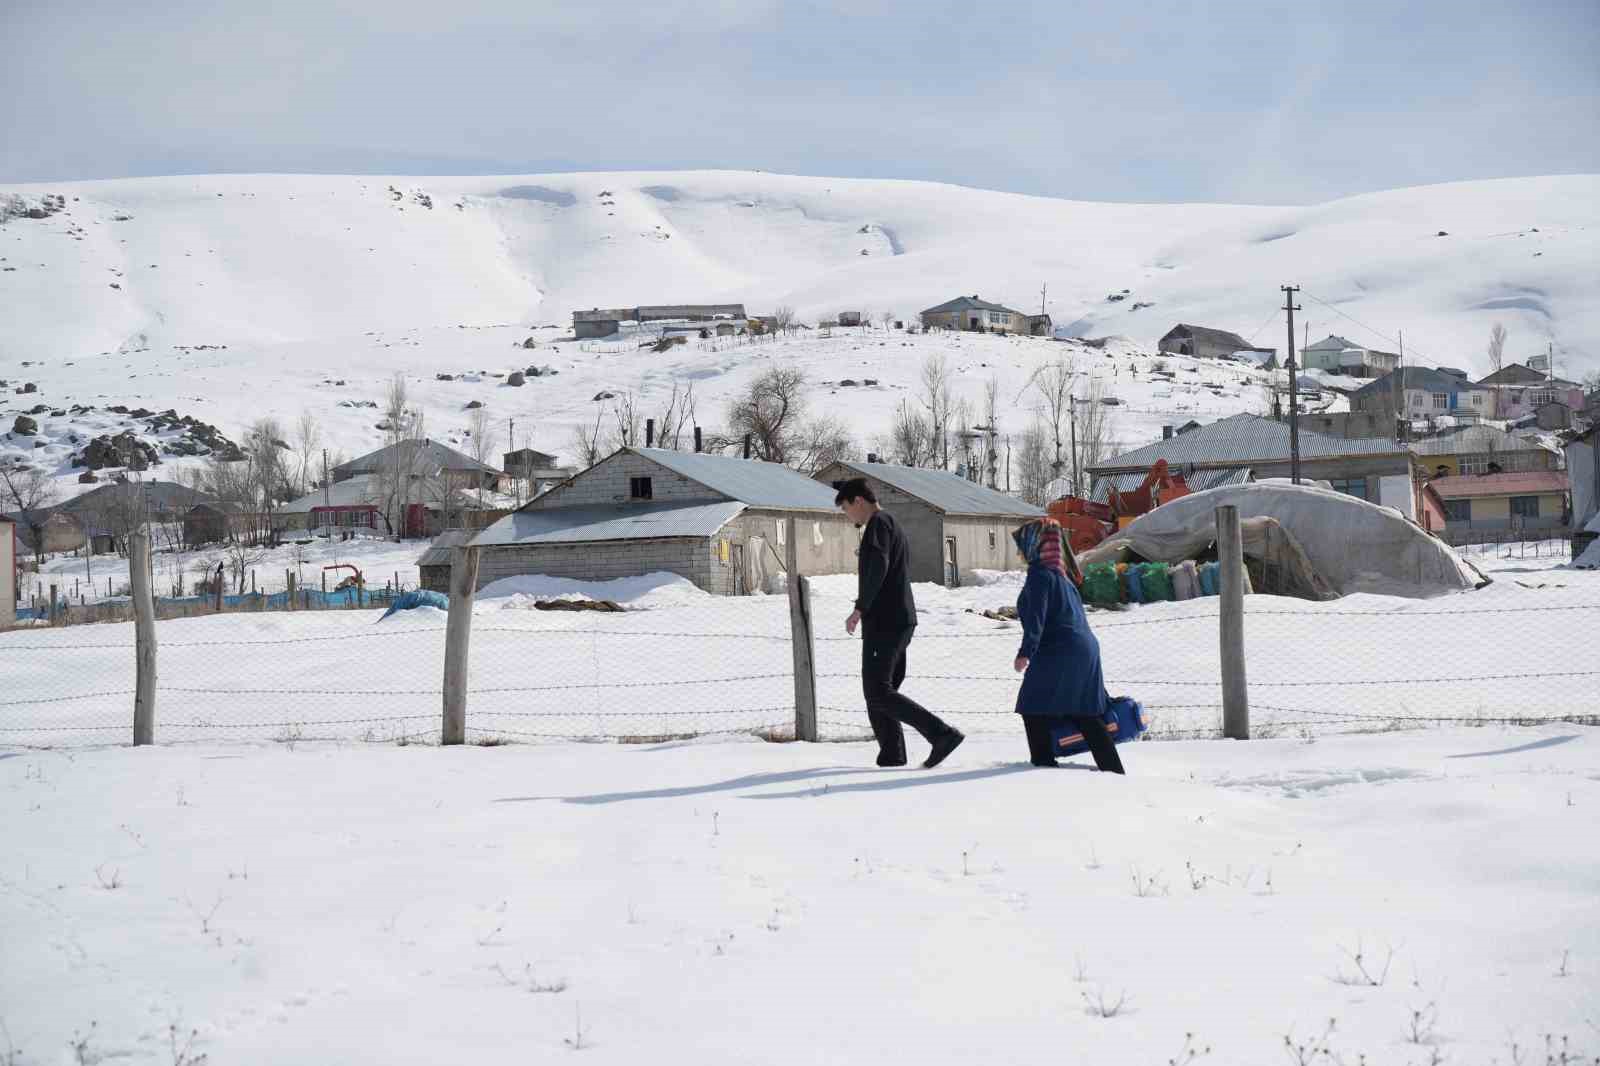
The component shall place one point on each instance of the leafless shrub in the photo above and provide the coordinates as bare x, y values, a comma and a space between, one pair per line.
1189, 1053
1100, 1005
1312, 1050
1151, 885
527, 982
1366, 971
114, 881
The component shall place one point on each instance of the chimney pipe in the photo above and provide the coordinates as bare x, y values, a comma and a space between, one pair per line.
698, 443
649, 433
747, 445
1166, 432
872, 457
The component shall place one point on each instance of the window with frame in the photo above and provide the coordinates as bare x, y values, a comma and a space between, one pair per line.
993, 540
640, 488
1352, 486
1416, 399
999, 318
1525, 506
1477, 399
1539, 399
1458, 510
1441, 400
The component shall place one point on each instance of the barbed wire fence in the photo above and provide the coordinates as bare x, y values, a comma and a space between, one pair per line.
739, 667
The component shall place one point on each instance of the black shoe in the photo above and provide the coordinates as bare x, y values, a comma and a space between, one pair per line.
885, 761
1047, 763
943, 746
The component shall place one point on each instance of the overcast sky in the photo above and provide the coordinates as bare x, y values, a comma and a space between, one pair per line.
1101, 99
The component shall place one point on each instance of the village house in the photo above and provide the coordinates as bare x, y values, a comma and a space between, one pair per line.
1207, 343
537, 471
849, 318
1520, 391
974, 315
719, 522
1583, 473
10, 556
343, 507
210, 523
1337, 355
433, 566
605, 322
1475, 504
1247, 447
1428, 393
419, 488
953, 525
1480, 449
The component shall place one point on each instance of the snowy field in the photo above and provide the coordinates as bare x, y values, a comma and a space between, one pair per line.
276, 898
1430, 896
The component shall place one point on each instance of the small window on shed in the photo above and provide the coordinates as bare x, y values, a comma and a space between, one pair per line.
639, 488
993, 540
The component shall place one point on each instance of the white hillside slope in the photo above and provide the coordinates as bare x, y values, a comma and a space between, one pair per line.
307, 277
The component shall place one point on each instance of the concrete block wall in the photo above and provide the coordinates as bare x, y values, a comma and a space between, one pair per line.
983, 543
688, 557
608, 483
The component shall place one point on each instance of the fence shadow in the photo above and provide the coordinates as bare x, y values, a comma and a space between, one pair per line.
747, 781
907, 781
1532, 745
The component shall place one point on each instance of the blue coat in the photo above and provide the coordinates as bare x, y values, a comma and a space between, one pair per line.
1063, 676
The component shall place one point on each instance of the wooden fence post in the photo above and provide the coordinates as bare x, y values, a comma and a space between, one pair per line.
1231, 575
801, 639
55, 612
144, 635
457, 635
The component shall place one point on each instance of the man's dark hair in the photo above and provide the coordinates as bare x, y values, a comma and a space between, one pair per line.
855, 488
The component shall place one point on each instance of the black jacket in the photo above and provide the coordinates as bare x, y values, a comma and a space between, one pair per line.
883, 582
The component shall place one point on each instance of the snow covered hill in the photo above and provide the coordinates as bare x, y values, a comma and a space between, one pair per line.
228, 297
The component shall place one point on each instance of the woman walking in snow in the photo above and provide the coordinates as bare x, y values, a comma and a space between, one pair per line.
1059, 659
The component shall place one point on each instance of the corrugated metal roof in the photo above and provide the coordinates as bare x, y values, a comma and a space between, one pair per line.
442, 550
1199, 481
749, 481
944, 490
576, 525
358, 491
1514, 484
968, 303
426, 458
1244, 438
1220, 337
1470, 440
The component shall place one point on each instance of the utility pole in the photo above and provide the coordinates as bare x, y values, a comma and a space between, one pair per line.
1072, 430
1042, 290
1294, 387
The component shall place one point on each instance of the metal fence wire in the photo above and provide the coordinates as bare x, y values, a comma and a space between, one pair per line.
728, 666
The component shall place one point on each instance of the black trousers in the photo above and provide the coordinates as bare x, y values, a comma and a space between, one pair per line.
1094, 732
883, 668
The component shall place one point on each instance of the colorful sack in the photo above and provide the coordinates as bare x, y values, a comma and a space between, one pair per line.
1156, 581
1135, 585
1208, 579
1100, 584
1124, 719
1185, 582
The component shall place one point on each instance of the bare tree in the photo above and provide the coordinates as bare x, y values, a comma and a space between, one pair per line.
937, 401
770, 410
405, 434
989, 457
1052, 387
820, 443
911, 437
886, 317
586, 444
307, 444
1497, 346
783, 318
676, 417
1033, 462
30, 491
483, 441
627, 429
1091, 434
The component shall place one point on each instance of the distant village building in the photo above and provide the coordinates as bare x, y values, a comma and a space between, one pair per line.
1520, 391
1478, 504
953, 525
719, 522
1427, 393
9, 556
539, 471
1245, 448
971, 314
1208, 343
433, 567
209, 523
1480, 449
849, 318
1351, 425
1337, 355
604, 322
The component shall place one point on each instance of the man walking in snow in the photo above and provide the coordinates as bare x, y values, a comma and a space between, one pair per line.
887, 615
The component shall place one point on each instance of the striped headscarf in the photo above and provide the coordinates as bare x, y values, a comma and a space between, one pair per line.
1041, 543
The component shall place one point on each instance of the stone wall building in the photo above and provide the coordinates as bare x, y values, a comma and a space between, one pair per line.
606, 321
721, 523
1207, 343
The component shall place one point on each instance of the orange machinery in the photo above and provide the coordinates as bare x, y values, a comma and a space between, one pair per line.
1088, 523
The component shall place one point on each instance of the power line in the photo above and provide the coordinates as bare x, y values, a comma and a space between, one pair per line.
1363, 325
